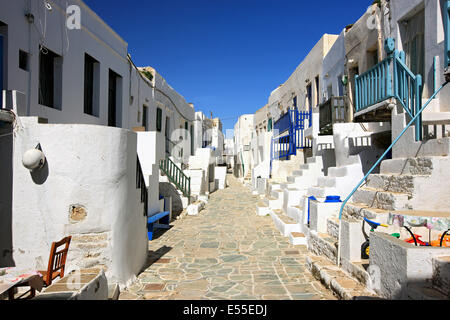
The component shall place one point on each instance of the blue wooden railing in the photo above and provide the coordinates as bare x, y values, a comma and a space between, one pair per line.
290, 130
374, 85
391, 78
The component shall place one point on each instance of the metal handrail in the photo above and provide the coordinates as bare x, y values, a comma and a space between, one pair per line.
140, 184
414, 119
176, 176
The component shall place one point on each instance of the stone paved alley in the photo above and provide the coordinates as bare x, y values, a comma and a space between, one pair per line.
226, 252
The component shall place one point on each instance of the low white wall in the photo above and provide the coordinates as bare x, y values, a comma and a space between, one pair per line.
204, 160
220, 175
151, 150
96, 175
399, 265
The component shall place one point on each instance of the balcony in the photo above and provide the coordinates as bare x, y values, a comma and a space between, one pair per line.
332, 111
390, 81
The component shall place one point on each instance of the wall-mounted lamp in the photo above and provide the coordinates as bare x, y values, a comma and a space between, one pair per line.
33, 159
48, 6
30, 17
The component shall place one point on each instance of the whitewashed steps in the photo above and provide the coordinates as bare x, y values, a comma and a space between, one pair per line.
298, 239
385, 200
292, 197
262, 209
283, 223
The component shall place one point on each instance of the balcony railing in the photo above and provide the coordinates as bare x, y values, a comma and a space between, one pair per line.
391, 78
140, 184
332, 111
374, 85
290, 135
176, 176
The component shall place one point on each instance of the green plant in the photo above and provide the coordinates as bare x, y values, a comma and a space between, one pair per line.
147, 74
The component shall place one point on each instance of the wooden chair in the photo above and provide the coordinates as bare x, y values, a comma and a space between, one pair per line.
56, 261
56, 266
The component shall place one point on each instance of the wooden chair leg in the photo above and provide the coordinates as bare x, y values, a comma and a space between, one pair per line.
32, 293
11, 294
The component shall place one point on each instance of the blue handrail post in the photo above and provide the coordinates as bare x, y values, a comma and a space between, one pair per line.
388, 79
357, 95
418, 106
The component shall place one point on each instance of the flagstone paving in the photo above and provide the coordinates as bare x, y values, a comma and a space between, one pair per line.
226, 252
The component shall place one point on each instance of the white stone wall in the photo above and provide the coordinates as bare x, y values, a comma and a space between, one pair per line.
97, 176
151, 151
334, 69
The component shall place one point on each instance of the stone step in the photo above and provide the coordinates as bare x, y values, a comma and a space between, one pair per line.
335, 279
329, 182
277, 194
298, 239
320, 192
394, 182
287, 185
311, 160
361, 210
283, 223
292, 197
273, 187
441, 274
307, 166
323, 245
262, 209
297, 173
425, 292
386, 200
333, 228
411, 166
273, 203
338, 172
296, 213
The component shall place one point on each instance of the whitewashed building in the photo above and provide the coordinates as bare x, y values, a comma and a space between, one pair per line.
104, 126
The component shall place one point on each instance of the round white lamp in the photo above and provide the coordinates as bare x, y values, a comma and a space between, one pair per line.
33, 159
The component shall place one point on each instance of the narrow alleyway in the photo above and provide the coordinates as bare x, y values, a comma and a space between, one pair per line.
226, 252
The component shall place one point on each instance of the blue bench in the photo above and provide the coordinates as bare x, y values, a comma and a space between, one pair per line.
153, 223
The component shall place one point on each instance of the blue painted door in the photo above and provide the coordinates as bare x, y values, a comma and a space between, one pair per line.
1, 71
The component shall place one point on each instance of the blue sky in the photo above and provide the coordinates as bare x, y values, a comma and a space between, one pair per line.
225, 56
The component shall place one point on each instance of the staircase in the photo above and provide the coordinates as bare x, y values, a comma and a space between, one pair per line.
284, 201
170, 172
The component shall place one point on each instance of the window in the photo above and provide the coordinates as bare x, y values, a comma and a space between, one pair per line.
145, 117
158, 119
269, 126
294, 102
412, 34
113, 98
309, 95
23, 60
167, 133
50, 79
186, 126
91, 85
340, 86
317, 91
